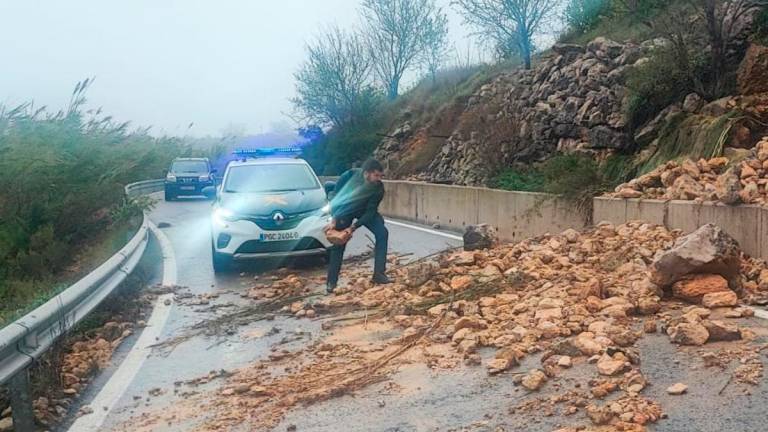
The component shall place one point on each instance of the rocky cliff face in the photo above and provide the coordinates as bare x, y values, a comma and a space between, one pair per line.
570, 101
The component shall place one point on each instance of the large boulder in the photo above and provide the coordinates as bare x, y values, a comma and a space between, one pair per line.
709, 249
753, 71
481, 236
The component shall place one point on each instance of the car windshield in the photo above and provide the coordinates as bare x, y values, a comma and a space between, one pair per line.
270, 178
189, 167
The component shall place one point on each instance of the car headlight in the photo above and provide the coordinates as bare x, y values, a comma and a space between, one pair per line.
170, 178
325, 210
204, 178
224, 215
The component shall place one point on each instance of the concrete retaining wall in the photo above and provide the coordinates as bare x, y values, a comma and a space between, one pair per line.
516, 215
519, 215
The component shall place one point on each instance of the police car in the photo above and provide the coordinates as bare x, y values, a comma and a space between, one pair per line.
268, 205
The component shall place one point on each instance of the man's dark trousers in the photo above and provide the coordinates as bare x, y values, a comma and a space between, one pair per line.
381, 234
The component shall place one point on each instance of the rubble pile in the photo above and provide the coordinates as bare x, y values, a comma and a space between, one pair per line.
81, 359
574, 299
714, 180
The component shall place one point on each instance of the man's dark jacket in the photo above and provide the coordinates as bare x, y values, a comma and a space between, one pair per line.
353, 197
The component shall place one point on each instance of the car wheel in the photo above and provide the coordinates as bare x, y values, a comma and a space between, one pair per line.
221, 262
169, 195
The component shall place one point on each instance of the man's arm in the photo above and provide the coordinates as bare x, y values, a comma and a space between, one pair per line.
371, 208
340, 183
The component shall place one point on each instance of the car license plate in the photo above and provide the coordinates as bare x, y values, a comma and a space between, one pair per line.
278, 236
187, 188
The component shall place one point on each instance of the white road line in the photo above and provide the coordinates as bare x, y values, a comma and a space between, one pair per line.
426, 230
105, 401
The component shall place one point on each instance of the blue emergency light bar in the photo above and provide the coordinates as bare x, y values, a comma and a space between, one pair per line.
267, 151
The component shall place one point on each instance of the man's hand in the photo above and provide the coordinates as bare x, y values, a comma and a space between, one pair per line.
331, 225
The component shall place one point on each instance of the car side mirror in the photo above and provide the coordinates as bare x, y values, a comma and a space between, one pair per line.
329, 187
209, 192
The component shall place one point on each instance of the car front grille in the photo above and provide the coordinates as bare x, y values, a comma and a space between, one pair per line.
268, 223
255, 246
187, 180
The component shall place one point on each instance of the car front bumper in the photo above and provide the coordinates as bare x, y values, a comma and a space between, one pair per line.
242, 241
187, 188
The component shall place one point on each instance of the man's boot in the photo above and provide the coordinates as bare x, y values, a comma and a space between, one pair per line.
381, 279
329, 288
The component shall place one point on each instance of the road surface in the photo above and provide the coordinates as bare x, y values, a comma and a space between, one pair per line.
186, 224
464, 398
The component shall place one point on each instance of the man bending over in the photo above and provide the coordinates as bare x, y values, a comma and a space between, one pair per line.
355, 203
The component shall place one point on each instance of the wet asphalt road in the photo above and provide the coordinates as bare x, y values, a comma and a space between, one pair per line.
188, 230
461, 399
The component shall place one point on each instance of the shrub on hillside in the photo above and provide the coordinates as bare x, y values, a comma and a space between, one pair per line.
574, 177
662, 81
582, 15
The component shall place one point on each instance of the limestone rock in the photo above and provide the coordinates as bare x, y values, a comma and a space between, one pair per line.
694, 288
688, 334
480, 236
534, 379
720, 299
728, 186
753, 71
693, 103
609, 366
709, 249
677, 389
721, 331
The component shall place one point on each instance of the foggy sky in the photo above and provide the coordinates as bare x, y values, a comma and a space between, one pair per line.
220, 64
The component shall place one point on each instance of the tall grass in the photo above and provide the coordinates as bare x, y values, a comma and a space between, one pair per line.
61, 180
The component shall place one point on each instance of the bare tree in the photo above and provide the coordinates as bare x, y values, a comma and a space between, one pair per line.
436, 52
333, 85
400, 31
502, 21
701, 32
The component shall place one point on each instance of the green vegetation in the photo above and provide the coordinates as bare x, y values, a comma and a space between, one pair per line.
62, 177
575, 177
691, 136
583, 15
657, 84
620, 20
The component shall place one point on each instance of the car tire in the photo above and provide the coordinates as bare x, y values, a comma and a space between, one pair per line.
221, 262
169, 195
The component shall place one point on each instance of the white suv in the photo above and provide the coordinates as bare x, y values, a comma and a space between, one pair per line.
268, 208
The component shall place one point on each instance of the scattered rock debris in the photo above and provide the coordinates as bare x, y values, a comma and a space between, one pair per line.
567, 301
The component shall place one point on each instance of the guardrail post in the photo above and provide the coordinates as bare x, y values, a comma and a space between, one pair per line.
21, 402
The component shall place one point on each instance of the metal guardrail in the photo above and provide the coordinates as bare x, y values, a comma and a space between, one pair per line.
26, 339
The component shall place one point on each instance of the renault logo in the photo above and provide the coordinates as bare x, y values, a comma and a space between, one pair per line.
278, 217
